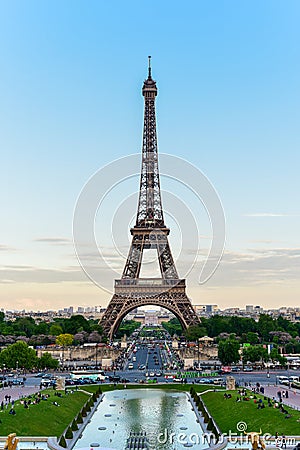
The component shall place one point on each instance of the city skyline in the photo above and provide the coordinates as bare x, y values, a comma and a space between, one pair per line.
227, 102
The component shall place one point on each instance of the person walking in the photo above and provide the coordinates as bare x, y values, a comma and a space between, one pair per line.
283, 441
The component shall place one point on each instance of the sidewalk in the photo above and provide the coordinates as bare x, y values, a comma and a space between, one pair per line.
293, 399
17, 392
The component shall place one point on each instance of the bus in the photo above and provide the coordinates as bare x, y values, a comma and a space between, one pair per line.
94, 375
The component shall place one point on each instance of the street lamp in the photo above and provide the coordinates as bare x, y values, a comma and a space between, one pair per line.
17, 366
3, 375
198, 353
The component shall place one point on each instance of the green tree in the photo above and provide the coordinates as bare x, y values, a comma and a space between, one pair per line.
47, 362
24, 325
64, 340
18, 355
173, 326
228, 351
255, 353
69, 433
277, 357
252, 338
55, 329
216, 325
265, 325
62, 442
41, 328
76, 323
193, 333
240, 325
127, 327
74, 425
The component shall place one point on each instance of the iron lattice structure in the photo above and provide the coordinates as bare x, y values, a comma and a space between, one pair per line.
149, 232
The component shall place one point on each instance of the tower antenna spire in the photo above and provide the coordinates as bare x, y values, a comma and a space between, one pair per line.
149, 66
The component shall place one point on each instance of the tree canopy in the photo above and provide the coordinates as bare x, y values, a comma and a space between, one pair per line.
18, 355
65, 340
228, 351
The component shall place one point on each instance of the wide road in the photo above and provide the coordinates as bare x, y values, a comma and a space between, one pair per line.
154, 360
142, 359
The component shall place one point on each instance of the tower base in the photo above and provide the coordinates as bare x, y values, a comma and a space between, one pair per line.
133, 293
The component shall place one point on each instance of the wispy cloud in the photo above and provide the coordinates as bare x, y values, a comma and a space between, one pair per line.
28, 274
265, 241
54, 240
6, 248
258, 266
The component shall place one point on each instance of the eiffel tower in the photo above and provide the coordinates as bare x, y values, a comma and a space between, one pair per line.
149, 232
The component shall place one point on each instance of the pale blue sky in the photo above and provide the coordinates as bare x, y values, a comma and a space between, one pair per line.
228, 78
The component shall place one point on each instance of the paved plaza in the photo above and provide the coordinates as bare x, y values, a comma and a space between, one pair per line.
293, 399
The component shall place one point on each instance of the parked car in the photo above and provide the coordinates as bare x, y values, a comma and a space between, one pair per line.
17, 382
205, 381
114, 378
218, 381
47, 383
124, 380
284, 380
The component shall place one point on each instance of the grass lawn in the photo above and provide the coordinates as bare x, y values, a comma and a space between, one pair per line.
227, 413
44, 418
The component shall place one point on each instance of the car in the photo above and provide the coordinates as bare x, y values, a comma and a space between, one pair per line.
125, 380
235, 369
293, 378
218, 380
114, 378
130, 366
248, 369
47, 383
158, 374
151, 374
17, 382
205, 381
39, 375
283, 380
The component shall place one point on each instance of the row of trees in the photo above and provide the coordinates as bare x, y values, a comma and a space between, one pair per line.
229, 353
266, 330
44, 333
26, 326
